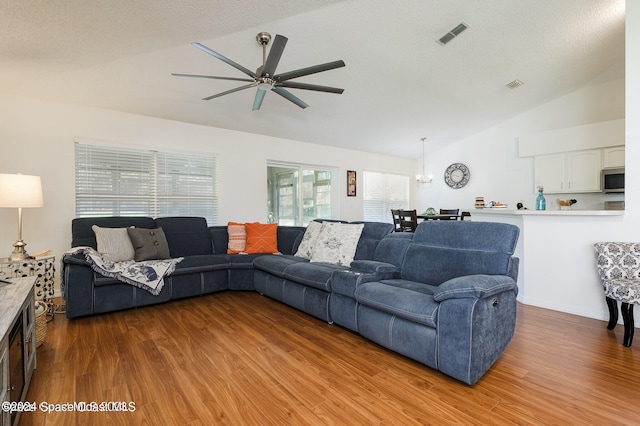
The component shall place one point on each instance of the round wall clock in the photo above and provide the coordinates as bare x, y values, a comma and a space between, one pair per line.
457, 175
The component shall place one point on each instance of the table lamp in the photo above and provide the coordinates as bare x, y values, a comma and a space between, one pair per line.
20, 191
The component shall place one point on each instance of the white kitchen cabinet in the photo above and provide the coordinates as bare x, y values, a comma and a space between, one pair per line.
569, 172
550, 172
613, 156
583, 171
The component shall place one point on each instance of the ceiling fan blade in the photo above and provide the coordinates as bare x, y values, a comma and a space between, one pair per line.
289, 96
257, 102
208, 98
210, 76
225, 59
309, 70
305, 86
274, 55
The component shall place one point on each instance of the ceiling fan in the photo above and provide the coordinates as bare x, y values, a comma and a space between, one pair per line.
265, 77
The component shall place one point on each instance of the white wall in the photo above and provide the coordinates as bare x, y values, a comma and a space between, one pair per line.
497, 172
559, 260
37, 137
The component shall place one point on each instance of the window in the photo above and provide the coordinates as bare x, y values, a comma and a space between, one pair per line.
116, 181
383, 192
299, 194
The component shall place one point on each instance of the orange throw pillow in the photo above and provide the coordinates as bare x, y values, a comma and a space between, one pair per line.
261, 237
237, 238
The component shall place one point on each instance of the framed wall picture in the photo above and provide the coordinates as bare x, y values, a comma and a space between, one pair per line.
351, 183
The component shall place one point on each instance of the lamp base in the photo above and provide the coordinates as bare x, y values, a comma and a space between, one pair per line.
19, 253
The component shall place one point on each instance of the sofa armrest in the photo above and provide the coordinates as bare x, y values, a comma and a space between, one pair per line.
373, 267
74, 259
474, 286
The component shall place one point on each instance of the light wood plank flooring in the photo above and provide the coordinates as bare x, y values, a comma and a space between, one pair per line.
241, 358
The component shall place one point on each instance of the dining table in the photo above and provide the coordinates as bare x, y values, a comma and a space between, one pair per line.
439, 216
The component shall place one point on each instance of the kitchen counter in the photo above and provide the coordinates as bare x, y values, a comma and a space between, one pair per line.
557, 258
573, 212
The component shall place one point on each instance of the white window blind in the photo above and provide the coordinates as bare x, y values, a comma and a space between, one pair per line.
116, 181
383, 192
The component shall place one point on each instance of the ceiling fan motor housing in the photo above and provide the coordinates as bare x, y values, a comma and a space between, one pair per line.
263, 38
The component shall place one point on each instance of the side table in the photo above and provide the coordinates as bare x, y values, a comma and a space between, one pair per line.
43, 268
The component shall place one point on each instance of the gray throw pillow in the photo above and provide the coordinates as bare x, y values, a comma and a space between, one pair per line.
113, 244
149, 244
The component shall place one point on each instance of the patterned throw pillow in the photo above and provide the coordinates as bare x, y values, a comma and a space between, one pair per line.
337, 243
237, 238
113, 243
261, 238
149, 244
309, 239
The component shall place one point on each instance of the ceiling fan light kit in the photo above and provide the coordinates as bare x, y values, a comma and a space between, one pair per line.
265, 78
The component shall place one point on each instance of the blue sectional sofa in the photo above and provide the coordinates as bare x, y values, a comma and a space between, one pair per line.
444, 295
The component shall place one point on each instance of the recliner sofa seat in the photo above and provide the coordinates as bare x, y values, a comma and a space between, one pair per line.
444, 296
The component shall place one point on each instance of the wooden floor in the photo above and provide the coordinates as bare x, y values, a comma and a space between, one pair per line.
241, 358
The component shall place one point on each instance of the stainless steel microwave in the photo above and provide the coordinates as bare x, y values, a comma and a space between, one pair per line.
612, 180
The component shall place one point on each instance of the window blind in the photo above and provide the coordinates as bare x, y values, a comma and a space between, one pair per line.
116, 181
383, 192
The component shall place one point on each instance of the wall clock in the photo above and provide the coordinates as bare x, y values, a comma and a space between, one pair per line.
457, 175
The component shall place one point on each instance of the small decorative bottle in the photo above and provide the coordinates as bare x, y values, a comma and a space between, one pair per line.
541, 203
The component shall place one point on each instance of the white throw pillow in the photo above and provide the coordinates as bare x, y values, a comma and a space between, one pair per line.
114, 244
309, 239
337, 243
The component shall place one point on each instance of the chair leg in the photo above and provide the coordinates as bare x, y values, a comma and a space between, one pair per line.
613, 313
627, 317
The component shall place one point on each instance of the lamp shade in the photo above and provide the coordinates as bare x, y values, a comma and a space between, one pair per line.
20, 191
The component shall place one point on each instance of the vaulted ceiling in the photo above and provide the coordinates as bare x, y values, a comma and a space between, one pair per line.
400, 84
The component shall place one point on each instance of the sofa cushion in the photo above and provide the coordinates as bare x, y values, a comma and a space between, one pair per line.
149, 244
410, 300
344, 282
289, 238
83, 235
444, 263
457, 248
243, 261
114, 243
187, 236
276, 264
466, 235
201, 263
316, 275
393, 247
337, 243
261, 237
372, 233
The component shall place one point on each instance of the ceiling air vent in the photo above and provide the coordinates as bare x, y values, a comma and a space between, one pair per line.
514, 84
453, 33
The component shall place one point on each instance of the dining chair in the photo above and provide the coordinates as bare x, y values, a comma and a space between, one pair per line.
619, 269
453, 212
395, 213
408, 220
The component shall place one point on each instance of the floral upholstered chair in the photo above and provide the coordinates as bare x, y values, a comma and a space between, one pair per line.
619, 269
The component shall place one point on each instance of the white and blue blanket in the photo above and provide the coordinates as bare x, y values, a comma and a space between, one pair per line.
148, 275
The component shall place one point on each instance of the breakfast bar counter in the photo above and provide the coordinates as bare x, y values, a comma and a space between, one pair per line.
557, 257
571, 212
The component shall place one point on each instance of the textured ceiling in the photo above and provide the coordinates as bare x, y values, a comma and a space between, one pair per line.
400, 85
